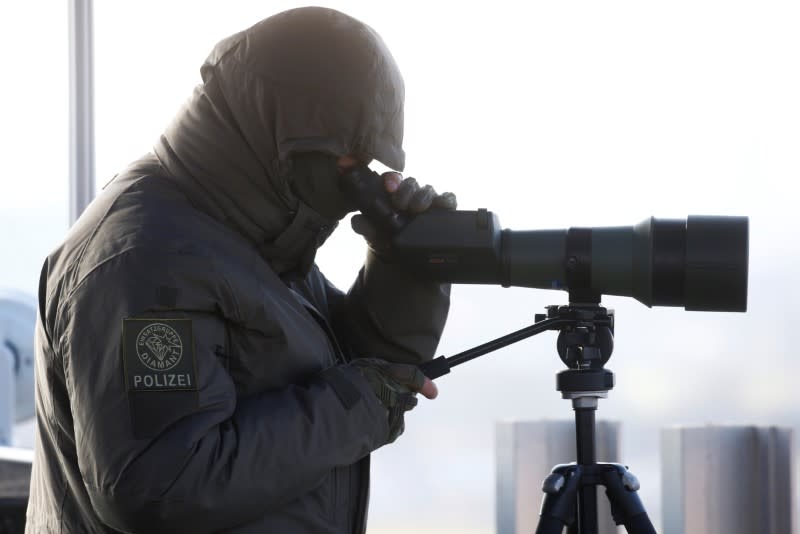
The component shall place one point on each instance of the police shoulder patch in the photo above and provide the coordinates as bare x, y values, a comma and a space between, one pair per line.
158, 354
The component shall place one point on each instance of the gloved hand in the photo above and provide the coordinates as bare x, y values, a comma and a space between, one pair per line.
396, 385
407, 196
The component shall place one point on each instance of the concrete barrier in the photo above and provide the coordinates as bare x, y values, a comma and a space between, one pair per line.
727, 479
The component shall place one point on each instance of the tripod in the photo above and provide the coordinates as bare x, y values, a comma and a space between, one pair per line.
585, 346
585, 343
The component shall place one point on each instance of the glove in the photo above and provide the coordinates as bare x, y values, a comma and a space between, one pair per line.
395, 385
410, 197
407, 196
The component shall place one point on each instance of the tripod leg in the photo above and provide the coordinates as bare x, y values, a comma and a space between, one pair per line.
561, 493
626, 507
548, 524
587, 510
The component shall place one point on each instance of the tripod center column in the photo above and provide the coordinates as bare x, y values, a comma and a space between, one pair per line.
585, 408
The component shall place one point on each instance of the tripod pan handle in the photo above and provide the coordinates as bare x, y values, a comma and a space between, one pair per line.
436, 367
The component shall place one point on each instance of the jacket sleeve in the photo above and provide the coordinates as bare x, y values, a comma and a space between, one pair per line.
391, 313
194, 460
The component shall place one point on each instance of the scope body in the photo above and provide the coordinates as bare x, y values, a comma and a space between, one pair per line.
699, 263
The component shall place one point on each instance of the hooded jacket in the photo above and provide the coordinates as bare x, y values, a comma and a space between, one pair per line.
190, 370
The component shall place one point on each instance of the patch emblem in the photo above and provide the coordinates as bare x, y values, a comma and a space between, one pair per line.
158, 354
159, 347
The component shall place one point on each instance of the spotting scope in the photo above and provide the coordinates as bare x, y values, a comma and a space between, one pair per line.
700, 263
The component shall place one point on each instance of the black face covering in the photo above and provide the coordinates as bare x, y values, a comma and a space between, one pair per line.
314, 178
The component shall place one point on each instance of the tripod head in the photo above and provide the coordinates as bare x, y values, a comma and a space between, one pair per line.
586, 339
585, 343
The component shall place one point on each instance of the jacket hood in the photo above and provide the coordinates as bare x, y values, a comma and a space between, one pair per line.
308, 79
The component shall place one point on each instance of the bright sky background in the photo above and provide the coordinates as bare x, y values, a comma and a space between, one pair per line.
550, 114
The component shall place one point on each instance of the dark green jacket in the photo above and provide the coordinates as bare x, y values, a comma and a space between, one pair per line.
188, 378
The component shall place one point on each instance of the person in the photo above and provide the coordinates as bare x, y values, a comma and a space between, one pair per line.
195, 372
